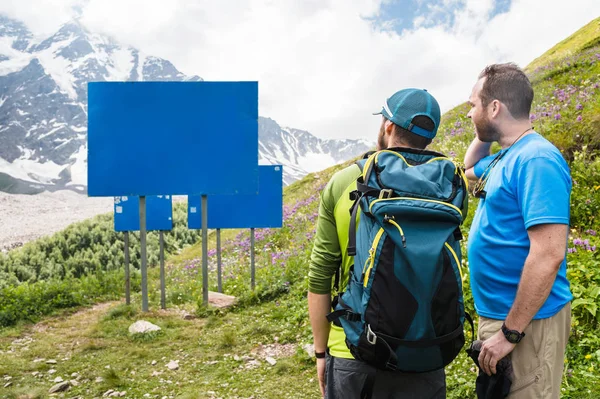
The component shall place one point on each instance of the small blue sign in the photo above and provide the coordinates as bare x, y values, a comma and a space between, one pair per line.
188, 138
262, 210
159, 213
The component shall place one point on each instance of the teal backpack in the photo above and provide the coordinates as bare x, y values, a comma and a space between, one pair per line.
403, 307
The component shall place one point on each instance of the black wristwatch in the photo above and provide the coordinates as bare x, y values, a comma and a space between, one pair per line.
320, 355
512, 336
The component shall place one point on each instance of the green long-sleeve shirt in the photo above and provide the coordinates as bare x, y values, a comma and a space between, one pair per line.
331, 239
329, 251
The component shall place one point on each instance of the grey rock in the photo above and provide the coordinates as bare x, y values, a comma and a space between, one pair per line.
60, 387
271, 361
142, 327
173, 365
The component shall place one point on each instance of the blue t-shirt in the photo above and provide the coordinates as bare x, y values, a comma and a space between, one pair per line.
530, 185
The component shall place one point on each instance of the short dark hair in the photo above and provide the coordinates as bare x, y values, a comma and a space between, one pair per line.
411, 139
508, 84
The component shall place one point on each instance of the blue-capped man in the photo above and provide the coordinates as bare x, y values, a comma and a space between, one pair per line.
518, 239
410, 118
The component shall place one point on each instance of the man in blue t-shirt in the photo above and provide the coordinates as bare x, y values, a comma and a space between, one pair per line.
518, 239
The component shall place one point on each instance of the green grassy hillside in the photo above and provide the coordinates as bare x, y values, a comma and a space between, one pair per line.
222, 353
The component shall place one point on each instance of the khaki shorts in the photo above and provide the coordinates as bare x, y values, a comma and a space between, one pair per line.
538, 359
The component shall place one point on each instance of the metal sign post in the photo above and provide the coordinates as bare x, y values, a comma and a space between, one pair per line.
263, 209
156, 214
252, 283
163, 299
204, 207
127, 278
144, 269
219, 277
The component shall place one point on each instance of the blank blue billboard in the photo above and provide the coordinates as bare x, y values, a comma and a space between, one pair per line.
159, 213
261, 210
188, 138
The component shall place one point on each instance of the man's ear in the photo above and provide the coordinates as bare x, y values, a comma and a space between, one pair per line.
494, 108
389, 127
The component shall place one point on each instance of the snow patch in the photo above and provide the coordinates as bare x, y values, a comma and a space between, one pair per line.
140, 66
32, 171
78, 129
16, 59
79, 167
121, 66
56, 129
59, 67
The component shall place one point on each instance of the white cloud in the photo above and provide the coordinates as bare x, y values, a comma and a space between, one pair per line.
42, 17
320, 64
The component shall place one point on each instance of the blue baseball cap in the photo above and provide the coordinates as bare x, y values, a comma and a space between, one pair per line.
404, 105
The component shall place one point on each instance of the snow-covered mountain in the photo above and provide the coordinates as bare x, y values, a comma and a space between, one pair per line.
300, 152
43, 109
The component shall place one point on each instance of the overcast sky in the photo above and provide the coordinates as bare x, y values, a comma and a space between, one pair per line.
326, 65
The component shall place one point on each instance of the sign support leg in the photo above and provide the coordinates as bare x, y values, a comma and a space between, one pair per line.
219, 271
127, 278
163, 299
252, 273
204, 250
144, 268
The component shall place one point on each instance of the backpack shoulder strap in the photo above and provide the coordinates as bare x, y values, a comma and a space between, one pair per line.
362, 189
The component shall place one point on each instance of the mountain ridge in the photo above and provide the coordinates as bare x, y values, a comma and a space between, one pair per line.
43, 109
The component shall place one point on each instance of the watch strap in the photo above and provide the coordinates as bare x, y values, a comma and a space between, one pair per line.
320, 355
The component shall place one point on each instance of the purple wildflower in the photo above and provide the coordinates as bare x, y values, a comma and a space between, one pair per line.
579, 107
579, 118
591, 232
557, 116
572, 250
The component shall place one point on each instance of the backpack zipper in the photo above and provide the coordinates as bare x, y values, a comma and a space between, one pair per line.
415, 199
390, 219
458, 265
371, 260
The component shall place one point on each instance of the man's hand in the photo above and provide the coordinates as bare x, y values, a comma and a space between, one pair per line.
493, 350
321, 374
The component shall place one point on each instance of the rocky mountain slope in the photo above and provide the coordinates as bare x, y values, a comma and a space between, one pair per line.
43, 109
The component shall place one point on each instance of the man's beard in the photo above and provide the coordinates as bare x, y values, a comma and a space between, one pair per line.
486, 131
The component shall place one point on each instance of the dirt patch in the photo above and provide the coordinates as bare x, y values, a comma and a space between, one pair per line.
79, 316
274, 350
